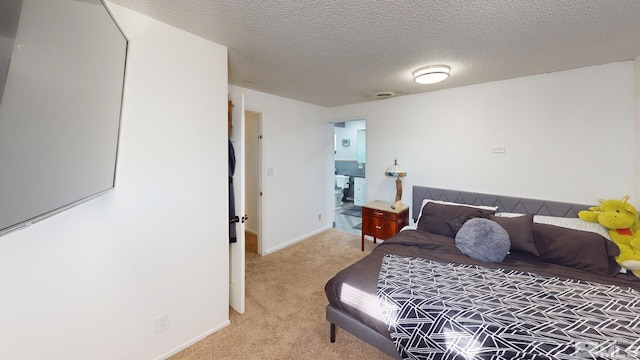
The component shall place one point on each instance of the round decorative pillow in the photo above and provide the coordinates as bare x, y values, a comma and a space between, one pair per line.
484, 240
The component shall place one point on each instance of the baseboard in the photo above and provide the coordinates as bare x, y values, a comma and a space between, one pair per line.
193, 341
252, 232
304, 237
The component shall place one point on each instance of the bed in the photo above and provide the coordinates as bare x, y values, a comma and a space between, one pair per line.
558, 293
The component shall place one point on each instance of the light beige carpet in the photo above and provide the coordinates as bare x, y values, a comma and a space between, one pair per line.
285, 305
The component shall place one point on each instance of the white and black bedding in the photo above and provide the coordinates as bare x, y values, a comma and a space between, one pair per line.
566, 301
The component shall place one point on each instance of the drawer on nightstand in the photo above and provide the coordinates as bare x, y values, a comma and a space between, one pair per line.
378, 214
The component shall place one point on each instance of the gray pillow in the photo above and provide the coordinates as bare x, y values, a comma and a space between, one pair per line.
484, 240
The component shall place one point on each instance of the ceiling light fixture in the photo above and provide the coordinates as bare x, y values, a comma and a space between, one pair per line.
431, 74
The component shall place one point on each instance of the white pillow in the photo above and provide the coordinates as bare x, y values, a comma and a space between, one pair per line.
508, 214
425, 201
572, 223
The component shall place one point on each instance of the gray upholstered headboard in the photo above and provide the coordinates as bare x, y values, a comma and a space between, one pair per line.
504, 203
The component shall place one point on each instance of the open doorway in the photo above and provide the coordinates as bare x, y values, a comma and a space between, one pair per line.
349, 171
253, 181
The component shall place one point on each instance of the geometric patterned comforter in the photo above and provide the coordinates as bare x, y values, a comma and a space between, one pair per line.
454, 311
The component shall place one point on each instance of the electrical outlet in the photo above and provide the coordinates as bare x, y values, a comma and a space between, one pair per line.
163, 323
319, 216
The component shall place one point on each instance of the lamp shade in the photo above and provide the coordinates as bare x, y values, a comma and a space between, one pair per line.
395, 170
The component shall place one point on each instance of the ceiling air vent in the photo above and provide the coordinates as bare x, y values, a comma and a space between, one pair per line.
384, 95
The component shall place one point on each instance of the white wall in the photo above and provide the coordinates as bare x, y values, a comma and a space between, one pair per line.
297, 148
89, 282
569, 136
350, 132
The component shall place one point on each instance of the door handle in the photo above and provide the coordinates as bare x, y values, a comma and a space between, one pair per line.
236, 219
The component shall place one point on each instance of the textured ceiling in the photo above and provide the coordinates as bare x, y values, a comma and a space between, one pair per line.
337, 52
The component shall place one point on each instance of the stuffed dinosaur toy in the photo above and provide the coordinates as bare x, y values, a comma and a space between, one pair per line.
621, 220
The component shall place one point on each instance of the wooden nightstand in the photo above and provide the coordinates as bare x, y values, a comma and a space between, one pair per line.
381, 221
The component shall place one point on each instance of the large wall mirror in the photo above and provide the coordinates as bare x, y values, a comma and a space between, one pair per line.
62, 66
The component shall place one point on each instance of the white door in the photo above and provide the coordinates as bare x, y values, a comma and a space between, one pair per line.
236, 250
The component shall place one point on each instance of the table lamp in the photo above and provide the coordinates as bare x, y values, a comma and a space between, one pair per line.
396, 171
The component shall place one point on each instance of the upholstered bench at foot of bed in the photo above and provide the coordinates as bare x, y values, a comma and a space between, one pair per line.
345, 321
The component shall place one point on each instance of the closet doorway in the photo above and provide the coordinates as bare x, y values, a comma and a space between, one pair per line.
253, 182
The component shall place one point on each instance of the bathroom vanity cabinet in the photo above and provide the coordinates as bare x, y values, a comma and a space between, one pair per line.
358, 191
